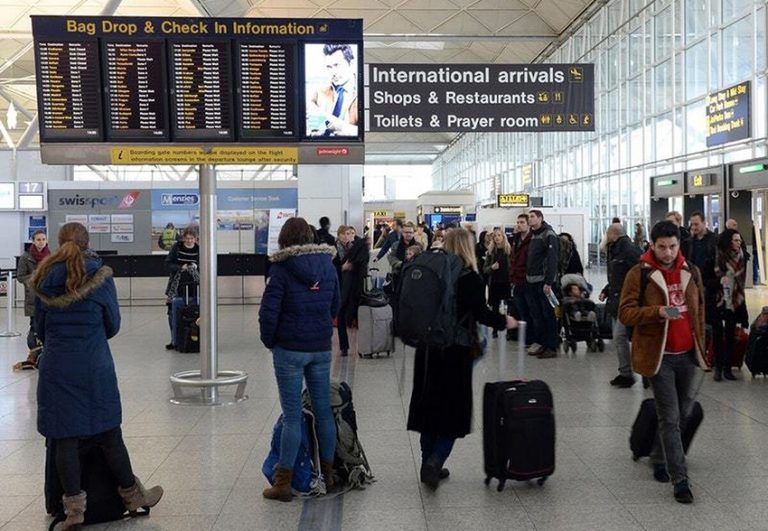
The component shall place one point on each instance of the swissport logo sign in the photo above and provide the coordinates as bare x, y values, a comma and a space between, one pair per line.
114, 201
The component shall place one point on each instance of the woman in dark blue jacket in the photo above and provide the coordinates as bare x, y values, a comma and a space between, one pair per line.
77, 396
296, 320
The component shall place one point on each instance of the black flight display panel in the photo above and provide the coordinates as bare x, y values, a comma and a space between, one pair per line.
69, 90
266, 91
201, 91
135, 90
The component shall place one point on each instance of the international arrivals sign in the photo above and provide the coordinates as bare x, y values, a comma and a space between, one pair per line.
480, 98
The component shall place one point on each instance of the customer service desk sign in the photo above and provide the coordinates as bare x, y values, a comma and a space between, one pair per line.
480, 98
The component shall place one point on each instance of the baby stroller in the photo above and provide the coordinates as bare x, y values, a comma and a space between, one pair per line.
579, 315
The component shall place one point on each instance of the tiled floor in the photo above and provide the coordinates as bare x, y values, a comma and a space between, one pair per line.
208, 459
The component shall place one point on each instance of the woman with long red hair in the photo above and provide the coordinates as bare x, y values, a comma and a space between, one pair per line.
77, 396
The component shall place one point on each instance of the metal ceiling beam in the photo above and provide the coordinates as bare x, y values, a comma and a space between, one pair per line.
399, 37
29, 133
19, 107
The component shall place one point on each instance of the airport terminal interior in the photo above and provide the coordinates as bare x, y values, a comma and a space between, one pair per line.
142, 118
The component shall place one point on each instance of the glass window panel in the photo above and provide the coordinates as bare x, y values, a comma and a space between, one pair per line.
663, 97
636, 46
696, 71
714, 63
733, 8
612, 66
696, 127
677, 79
758, 100
664, 136
696, 24
636, 150
760, 39
678, 130
737, 51
664, 37
635, 109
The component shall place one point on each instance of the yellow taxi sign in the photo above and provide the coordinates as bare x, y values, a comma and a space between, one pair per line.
380, 213
513, 200
196, 155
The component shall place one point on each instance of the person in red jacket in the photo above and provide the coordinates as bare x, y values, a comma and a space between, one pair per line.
517, 267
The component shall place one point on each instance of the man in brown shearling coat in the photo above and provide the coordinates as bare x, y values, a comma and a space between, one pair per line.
667, 342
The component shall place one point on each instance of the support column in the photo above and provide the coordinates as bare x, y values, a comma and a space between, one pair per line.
209, 356
335, 191
209, 377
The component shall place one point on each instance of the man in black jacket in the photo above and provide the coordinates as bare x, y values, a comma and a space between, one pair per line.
623, 254
323, 233
541, 275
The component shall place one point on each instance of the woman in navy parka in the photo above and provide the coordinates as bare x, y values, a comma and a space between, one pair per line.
296, 321
77, 396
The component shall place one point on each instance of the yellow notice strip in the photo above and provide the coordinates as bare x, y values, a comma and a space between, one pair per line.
196, 155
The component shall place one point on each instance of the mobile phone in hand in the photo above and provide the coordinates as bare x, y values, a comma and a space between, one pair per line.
672, 312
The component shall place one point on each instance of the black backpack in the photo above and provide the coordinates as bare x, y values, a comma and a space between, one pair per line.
97, 480
427, 304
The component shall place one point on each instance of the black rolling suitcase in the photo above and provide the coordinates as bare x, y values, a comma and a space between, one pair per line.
187, 337
104, 503
646, 426
518, 428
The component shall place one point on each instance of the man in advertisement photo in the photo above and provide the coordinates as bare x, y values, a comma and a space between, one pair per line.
332, 108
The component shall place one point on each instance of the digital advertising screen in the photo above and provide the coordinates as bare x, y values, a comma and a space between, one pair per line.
332, 75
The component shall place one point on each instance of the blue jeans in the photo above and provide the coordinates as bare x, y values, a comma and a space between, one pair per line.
435, 449
291, 368
521, 303
543, 320
674, 393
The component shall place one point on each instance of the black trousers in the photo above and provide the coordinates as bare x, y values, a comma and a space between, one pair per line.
115, 453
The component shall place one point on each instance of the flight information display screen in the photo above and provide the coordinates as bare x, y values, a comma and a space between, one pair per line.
134, 74
201, 93
266, 94
69, 91
154, 79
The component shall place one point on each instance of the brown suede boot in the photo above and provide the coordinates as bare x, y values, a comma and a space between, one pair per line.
327, 470
281, 488
136, 497
74, 508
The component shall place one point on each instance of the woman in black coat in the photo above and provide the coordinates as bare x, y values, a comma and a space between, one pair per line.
496, 269
441, 401
353, 268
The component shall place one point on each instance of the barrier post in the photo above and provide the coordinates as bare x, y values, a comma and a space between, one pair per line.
10, 293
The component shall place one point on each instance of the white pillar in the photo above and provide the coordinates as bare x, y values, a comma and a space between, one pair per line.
332, 190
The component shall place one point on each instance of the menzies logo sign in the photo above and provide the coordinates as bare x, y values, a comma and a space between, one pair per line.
114, 201
179, 199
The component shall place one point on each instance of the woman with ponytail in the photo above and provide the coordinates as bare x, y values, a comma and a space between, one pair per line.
77, 396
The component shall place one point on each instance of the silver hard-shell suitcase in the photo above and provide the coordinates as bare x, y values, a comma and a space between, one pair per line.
374, 334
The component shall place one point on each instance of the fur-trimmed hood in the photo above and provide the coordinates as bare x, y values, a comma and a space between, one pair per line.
305, 262
300, 250
53, 291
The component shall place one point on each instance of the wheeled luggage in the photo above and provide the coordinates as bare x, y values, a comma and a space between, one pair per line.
518, 428
104, 502
374, 334
646, 426
185, 314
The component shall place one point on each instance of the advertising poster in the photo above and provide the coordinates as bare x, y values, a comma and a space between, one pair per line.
331, 74
277, 218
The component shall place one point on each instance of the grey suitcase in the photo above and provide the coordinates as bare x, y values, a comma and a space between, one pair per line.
374, 335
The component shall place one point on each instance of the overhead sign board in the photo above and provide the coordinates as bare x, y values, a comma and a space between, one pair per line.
728, 115
480, 97
448, 210
513, 200
156, 79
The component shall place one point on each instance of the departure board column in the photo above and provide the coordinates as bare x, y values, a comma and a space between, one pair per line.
136, 90
266, 103
201, 95
69, 96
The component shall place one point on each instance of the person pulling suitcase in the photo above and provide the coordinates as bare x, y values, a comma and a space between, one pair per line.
667, 343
